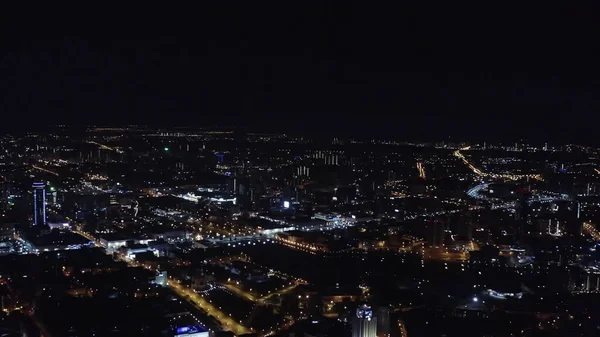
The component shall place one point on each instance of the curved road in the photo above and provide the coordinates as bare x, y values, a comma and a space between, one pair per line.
492, 175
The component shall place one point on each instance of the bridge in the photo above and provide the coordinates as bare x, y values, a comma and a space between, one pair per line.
542, 197
474, 192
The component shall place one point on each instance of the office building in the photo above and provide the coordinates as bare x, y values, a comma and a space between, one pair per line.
39, 203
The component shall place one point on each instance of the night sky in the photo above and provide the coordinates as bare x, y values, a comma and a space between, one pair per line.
497, 73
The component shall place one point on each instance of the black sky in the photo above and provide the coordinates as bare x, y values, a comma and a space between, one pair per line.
346, 67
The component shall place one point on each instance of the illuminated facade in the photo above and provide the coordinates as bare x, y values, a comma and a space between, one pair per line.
39, 204
161, 278
364, 324
191, 331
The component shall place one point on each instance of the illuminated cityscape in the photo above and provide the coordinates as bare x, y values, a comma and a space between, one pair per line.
310, 169
229, 236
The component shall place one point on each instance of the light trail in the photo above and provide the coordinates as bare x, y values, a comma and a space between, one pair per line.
493, 175
543, 197
597, 171
591, 230
87, 236
402, 328
105, 147
421, 170
44, 170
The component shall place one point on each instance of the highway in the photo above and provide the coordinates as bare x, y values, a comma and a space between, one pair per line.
44, 170
227, 323
105, 147
542, 196
477, 171
421, 170
591, 230
87, 236
434, 214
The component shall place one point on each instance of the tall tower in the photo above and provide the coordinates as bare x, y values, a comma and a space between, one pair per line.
112, 211
39, 203
364, 324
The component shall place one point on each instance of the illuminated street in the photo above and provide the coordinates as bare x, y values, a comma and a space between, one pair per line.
591, 230
105, 147
477, 171
240, 292
279, 292
44, 170
185, 293
421, 170
224, 319
236, 290
444, 254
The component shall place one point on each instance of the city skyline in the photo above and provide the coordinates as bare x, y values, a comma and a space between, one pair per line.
269, 234
300, 169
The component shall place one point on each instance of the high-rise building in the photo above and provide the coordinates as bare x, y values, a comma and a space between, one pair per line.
327, 157
112, 199
302, 171
364, 324
112, 211
39, 203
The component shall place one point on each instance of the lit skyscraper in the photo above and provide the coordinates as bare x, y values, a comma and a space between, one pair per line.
364, 324
39, 203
